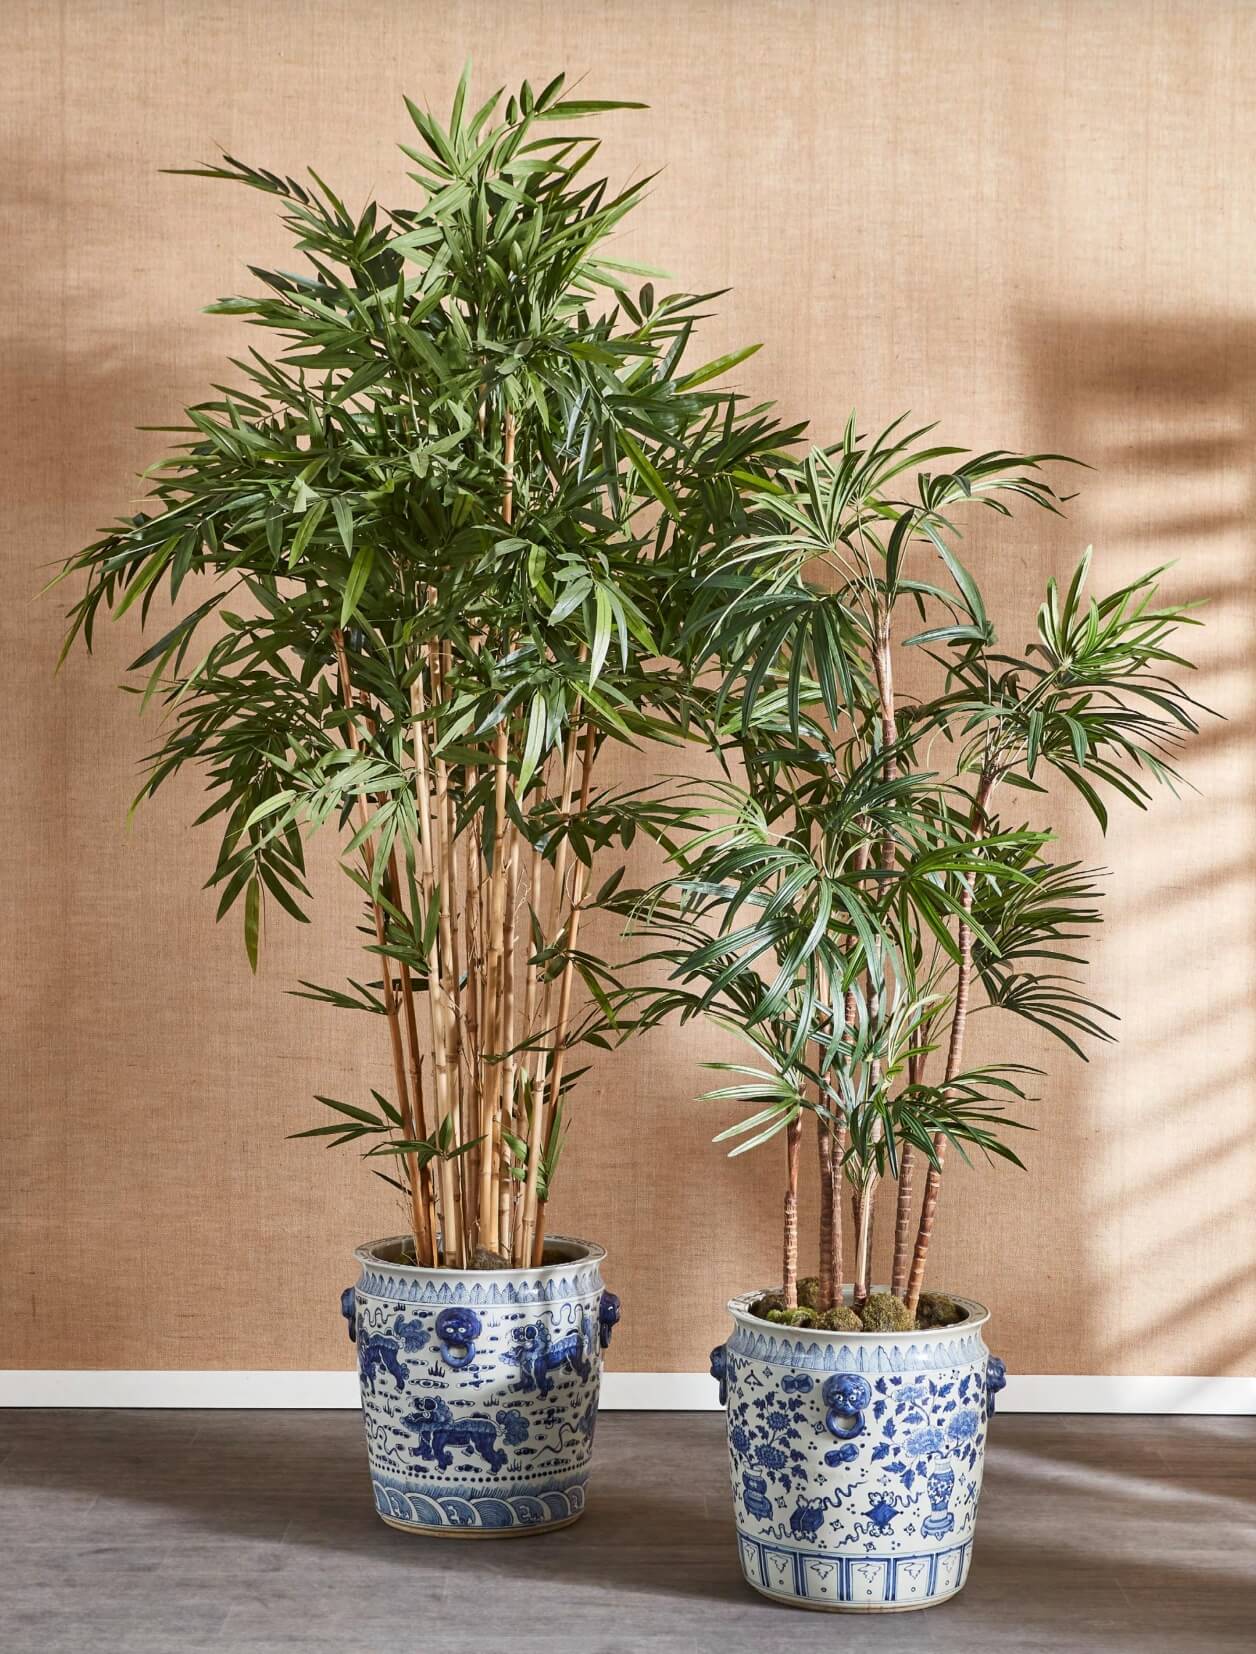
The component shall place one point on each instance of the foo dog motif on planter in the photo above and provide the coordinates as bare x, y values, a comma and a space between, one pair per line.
436, 1431
856, 1458
377, 1355
537, 1354
479, 1389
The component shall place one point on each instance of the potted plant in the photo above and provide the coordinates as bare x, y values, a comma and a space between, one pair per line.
441, 535
848, 912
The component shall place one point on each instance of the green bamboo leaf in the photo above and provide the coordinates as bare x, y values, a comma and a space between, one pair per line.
355, 585
534, 742
713, 370
305, 532
343, 512
649, 476
601, 632
252, 920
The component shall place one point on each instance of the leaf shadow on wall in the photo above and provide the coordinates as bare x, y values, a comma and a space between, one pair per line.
1165, 410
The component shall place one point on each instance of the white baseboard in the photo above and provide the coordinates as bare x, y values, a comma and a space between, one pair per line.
680, 1392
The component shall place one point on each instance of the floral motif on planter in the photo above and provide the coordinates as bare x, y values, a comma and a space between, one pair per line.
480, 1389
856, 1458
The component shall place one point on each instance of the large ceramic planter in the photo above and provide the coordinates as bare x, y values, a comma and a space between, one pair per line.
856, 1458
480, 1388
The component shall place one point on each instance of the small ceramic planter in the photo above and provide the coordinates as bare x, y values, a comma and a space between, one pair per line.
856, 1458
480, 1387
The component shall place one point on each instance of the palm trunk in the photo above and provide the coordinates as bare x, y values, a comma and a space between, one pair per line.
902, 1219
835, 1288
954, 1055
863, 1241
824, 1148
789, 1251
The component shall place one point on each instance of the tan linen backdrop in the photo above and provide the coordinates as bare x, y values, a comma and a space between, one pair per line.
1035, 221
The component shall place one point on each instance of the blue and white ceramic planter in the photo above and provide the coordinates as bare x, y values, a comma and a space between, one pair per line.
856, 1458
480, 1387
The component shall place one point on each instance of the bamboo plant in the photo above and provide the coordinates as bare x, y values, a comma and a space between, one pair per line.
872, 886
444, 533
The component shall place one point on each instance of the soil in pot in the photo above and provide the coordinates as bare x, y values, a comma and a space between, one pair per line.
879, 1312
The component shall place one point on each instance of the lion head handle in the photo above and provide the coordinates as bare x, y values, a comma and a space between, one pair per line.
349, 1309
996, 1380
719, 1371
845, 1396
607, 1318
456, 1332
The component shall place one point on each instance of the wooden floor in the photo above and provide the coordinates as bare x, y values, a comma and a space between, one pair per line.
152, 1533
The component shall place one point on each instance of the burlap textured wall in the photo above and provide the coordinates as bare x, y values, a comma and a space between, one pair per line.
1034, 220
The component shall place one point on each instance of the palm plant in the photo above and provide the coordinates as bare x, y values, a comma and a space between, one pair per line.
444, 534
861, 898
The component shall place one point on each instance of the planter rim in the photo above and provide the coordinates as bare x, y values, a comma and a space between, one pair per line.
739, 1308
372, 1255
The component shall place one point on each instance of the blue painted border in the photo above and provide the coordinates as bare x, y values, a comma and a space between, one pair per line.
909, 1357
475, 1507
761, 1549
409, 1289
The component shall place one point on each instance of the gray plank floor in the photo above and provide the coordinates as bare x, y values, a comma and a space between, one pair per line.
155, 1533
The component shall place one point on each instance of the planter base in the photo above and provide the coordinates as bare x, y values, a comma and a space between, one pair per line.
482, 1533
854, 1582
479, 1512
854, 1607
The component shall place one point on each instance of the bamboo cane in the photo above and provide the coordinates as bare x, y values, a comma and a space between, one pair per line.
411, 1107
459, 1082
528, 1225
528, 1222
413, 1110
494, 969
531, 996
494, 973
418, 1204
451, 1235
588, 749
503, 1182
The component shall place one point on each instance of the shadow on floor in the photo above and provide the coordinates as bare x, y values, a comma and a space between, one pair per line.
255, 1532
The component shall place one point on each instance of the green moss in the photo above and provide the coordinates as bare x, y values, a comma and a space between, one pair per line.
935, 1309
763, 1307
841, 1318
800, 1317
883, 1312
809, 1292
